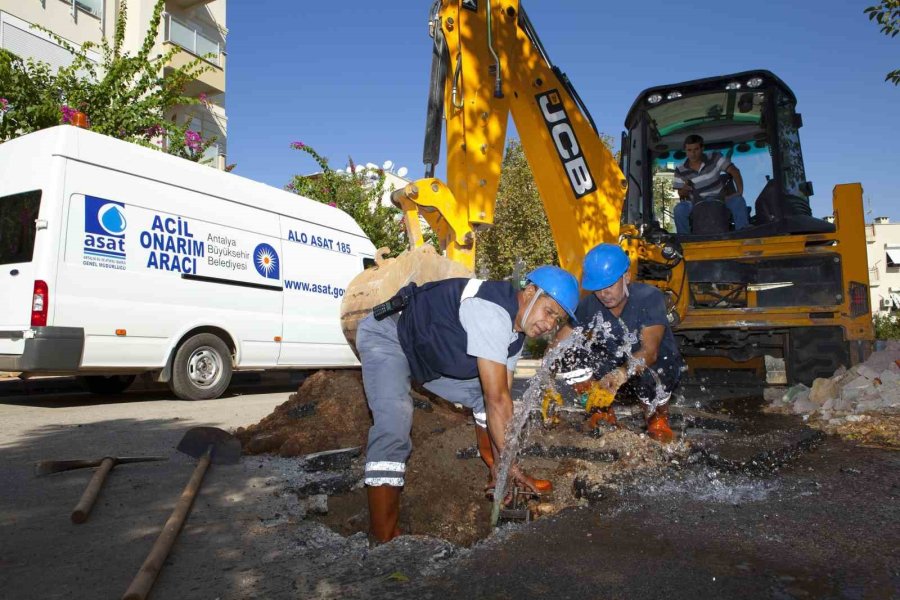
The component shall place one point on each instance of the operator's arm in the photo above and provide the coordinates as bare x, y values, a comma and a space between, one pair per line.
683, 186
738, 179
644, 358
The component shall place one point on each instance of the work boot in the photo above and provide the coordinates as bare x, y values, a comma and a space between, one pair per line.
486, 450
602, 415
384, 512
658, 425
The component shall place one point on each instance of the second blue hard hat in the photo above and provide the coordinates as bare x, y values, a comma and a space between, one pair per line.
603, 266
559, 284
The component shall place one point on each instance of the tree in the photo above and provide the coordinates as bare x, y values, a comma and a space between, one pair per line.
887, 15
521, 230
664, 201
124, 96
357, 193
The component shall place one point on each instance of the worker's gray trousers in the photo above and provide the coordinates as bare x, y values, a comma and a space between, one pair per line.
386, 377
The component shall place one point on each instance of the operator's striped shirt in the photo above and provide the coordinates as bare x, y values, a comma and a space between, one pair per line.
707, 182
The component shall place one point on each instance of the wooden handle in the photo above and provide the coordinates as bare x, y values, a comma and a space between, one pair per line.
143, 581
84, 506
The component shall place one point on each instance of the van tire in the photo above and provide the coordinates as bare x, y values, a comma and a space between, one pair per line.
201, 369
106, 385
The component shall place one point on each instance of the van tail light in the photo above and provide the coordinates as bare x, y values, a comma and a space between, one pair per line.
40, 303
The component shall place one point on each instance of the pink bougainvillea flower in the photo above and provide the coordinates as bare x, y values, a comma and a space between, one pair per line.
332, 204
298, 145
4, 104
192, 140
67, 113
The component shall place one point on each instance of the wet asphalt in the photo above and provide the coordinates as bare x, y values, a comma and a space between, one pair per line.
769, 509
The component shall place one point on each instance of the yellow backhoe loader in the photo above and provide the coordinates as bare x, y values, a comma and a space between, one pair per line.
789, 285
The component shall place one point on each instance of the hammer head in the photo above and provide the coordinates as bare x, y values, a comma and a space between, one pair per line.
226, 449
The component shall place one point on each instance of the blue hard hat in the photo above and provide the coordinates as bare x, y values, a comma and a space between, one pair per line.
559, 284
603, 266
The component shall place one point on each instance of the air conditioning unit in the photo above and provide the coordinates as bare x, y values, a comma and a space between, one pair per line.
887, 303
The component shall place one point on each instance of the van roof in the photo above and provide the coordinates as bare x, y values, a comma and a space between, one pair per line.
104, 151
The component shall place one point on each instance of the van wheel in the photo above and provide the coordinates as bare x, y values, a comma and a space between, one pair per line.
201, 369
106, 386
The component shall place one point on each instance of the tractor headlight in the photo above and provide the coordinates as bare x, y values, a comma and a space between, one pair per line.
654, 98
734, 85
673, 95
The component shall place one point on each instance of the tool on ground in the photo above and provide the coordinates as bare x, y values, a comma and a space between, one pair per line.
210, 445
518, 511
48, 467
86, 503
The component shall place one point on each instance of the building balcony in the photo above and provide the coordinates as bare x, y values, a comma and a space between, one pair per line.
190, 3
198, 42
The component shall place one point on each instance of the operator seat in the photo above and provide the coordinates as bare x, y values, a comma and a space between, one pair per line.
710, 217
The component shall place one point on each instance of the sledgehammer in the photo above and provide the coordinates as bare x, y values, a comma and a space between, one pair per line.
209, 444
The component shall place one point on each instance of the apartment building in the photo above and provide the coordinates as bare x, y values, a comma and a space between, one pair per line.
883, 249
196, 26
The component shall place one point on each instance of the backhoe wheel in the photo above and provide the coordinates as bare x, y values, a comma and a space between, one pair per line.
815, 352
106, 385
201, 369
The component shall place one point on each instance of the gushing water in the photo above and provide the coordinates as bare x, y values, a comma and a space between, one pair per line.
580, 341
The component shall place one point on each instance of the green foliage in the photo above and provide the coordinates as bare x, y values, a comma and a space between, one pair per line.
664, 202
123, 96
354, 194
536, 347
887, 326
887, 15
521, 230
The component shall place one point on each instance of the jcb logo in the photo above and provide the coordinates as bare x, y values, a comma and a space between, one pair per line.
566, 144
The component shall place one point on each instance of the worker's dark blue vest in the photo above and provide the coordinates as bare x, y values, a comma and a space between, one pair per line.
431, 335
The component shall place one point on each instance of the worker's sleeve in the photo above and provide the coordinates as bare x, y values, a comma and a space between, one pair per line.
488, 330
653, 311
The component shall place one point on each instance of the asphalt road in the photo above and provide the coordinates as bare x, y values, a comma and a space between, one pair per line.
826, 524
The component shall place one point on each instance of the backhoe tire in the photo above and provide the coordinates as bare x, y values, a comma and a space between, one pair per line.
815, 352
106, 385
201, 369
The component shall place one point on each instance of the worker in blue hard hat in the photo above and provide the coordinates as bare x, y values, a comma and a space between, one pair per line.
620, 313
459, 338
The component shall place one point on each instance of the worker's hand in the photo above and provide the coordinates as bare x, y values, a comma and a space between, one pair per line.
613, 380
583, 387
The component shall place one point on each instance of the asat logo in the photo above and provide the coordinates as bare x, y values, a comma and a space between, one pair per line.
104, 227
265, 259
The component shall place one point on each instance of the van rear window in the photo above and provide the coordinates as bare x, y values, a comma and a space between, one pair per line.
17, 215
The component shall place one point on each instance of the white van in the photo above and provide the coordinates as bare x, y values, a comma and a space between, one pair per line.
117, 260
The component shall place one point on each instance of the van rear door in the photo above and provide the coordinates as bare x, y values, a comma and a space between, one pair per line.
18, 213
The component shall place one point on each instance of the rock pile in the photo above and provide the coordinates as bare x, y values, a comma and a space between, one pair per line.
862, 402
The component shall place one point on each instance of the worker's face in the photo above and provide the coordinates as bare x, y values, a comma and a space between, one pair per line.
545, 316
694, 151
615, 294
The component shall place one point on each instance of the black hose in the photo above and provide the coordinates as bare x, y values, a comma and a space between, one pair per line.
440, 60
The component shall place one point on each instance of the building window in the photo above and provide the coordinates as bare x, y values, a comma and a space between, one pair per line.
91, 7
892, 255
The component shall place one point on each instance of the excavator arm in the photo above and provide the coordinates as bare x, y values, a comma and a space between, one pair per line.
488, 63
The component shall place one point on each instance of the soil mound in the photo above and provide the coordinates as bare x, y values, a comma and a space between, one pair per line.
328, 411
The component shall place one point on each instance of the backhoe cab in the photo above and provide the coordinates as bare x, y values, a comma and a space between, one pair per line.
788, 285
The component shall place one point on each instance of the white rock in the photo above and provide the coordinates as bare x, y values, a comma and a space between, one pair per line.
803, 405
867, 405
867, 372
822, 390
859, 383
857, 418
888, 377
829, 404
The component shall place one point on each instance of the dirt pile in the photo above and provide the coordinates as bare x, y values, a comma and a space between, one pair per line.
862, 403
329, 411
445, 477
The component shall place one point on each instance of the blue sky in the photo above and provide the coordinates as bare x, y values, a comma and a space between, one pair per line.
351, 77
